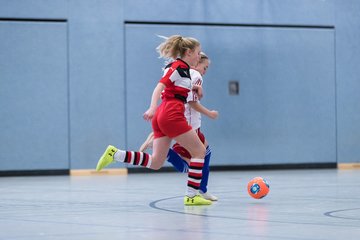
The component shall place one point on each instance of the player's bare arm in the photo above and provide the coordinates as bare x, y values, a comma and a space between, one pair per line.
203, 110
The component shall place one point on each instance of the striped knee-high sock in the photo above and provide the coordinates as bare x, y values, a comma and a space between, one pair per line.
134, 158
194, 176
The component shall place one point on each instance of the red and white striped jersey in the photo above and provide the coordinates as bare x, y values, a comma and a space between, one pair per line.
176, 79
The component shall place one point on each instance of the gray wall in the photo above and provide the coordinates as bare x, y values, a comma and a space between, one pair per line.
77, 75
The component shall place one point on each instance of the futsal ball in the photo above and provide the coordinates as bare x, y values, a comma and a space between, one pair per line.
258, 188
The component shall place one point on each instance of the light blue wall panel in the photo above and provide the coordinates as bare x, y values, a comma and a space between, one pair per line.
348, 80
33, 96
96, 79
54, 9
285, 112
304, 12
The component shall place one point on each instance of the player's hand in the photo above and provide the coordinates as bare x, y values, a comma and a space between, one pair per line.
213, 114
148, 115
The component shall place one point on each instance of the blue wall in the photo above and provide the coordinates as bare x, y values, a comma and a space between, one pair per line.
33, 95
348, 80
77, 75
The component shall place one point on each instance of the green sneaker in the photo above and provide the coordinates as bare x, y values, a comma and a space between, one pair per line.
196, 200
106, 158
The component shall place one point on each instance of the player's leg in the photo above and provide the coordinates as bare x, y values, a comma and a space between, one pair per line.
206, 171
179, 157
154, 161
197, 149
147, 143
205, 177
180, 163
160, 149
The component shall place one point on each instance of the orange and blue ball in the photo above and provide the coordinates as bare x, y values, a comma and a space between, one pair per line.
258, 188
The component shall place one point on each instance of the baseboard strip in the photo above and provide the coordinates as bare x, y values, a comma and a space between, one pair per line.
91, 172
349, 166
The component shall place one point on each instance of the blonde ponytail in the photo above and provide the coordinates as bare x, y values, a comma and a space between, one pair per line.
175, 46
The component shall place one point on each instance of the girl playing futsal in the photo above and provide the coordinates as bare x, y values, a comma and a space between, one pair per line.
168, 120
178, 156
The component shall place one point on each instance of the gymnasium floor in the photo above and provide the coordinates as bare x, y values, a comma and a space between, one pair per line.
302, 204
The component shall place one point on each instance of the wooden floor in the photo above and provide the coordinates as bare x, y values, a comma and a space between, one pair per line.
302, 204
